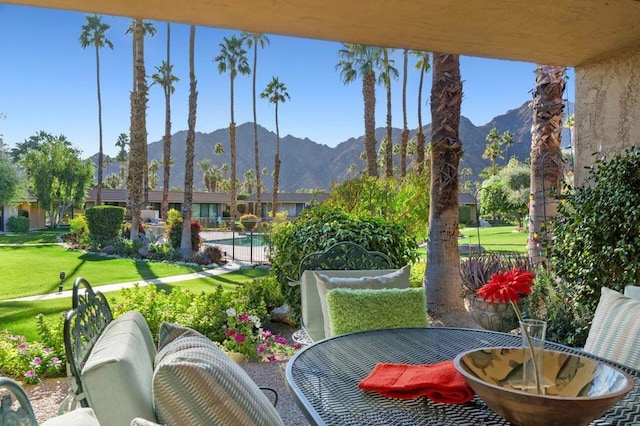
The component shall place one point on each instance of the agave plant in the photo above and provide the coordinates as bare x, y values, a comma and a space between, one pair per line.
476, 271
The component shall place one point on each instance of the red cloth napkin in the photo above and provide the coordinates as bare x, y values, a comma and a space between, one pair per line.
439, 382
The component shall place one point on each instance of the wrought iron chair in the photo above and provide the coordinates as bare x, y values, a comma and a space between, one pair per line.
342, 256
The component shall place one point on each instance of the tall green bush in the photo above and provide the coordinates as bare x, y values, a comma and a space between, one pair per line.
596, 238
319, 228
18, 224
104, 221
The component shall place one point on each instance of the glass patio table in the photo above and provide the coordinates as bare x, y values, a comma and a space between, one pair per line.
323, 378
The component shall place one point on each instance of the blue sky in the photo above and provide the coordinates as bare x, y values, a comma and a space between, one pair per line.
48, 82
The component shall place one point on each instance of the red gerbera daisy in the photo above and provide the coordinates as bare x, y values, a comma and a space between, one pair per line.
507, 286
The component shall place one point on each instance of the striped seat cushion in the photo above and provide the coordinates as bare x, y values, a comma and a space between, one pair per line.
615, 331
195, 383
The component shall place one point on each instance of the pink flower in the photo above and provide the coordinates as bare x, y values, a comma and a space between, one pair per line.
260, 349
243, 317
229, 333
239, 337
266, 333
271, 358
296, 345
280, 340
30, 374
23, 346
37, 361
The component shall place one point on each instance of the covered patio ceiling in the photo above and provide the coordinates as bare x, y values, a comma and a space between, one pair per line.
566, 32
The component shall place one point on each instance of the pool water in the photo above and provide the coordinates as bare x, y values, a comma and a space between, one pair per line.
241, 241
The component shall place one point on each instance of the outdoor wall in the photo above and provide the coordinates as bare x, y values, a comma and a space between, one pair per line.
607, 110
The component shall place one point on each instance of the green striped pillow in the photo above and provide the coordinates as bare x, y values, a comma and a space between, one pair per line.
195, 383
615, 331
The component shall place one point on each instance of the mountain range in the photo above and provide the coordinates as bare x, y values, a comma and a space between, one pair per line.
310, 165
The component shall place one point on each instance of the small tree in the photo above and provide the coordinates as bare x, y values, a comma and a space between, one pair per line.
58, 177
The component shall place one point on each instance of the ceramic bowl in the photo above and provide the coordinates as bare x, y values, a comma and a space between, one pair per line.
578, 389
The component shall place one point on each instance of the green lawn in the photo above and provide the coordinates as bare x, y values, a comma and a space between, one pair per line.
19, 317
496, 238
33, 237
31, 270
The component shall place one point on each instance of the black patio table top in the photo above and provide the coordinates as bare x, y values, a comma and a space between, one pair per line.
323, 378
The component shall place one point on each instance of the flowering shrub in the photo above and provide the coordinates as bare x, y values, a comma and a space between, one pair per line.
244, 334
28, 361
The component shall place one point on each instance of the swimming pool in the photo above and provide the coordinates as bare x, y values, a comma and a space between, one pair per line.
243, 241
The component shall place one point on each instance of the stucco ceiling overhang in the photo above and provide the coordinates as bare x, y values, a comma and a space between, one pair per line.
556, 32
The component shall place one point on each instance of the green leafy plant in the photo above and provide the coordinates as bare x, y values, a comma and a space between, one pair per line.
595, 240
249, 222
175, 235
18, 224
33, 361
104, 221
319, 228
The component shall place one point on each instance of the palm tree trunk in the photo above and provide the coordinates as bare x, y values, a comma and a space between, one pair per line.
404, 138
546, 156
420, 137
389, 147
100, 149
166, 142
258, 210
369, 95
276, 169
442, 277
232, 143
186, 248
138, 131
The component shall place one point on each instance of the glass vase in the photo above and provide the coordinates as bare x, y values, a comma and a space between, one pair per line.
533, 336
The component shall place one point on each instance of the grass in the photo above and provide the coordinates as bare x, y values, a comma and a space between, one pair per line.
33, 237
503, 238
19, 317
32, 270
497, 238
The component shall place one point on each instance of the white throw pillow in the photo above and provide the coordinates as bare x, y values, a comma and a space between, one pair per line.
615, 331
397, 279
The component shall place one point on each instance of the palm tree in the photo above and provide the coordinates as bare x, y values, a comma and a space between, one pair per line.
423, 66
147, 28
123, 156
275, 93
186, 248
442, 277
164, 78
137, 154
204, 166
546, 154
404, 138
255, 39
94, 34
359, 60
218, 149
232, 58
153, 178
493, 150
506, 139
387, 72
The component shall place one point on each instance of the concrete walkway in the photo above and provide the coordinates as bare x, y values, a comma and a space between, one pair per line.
223, 269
